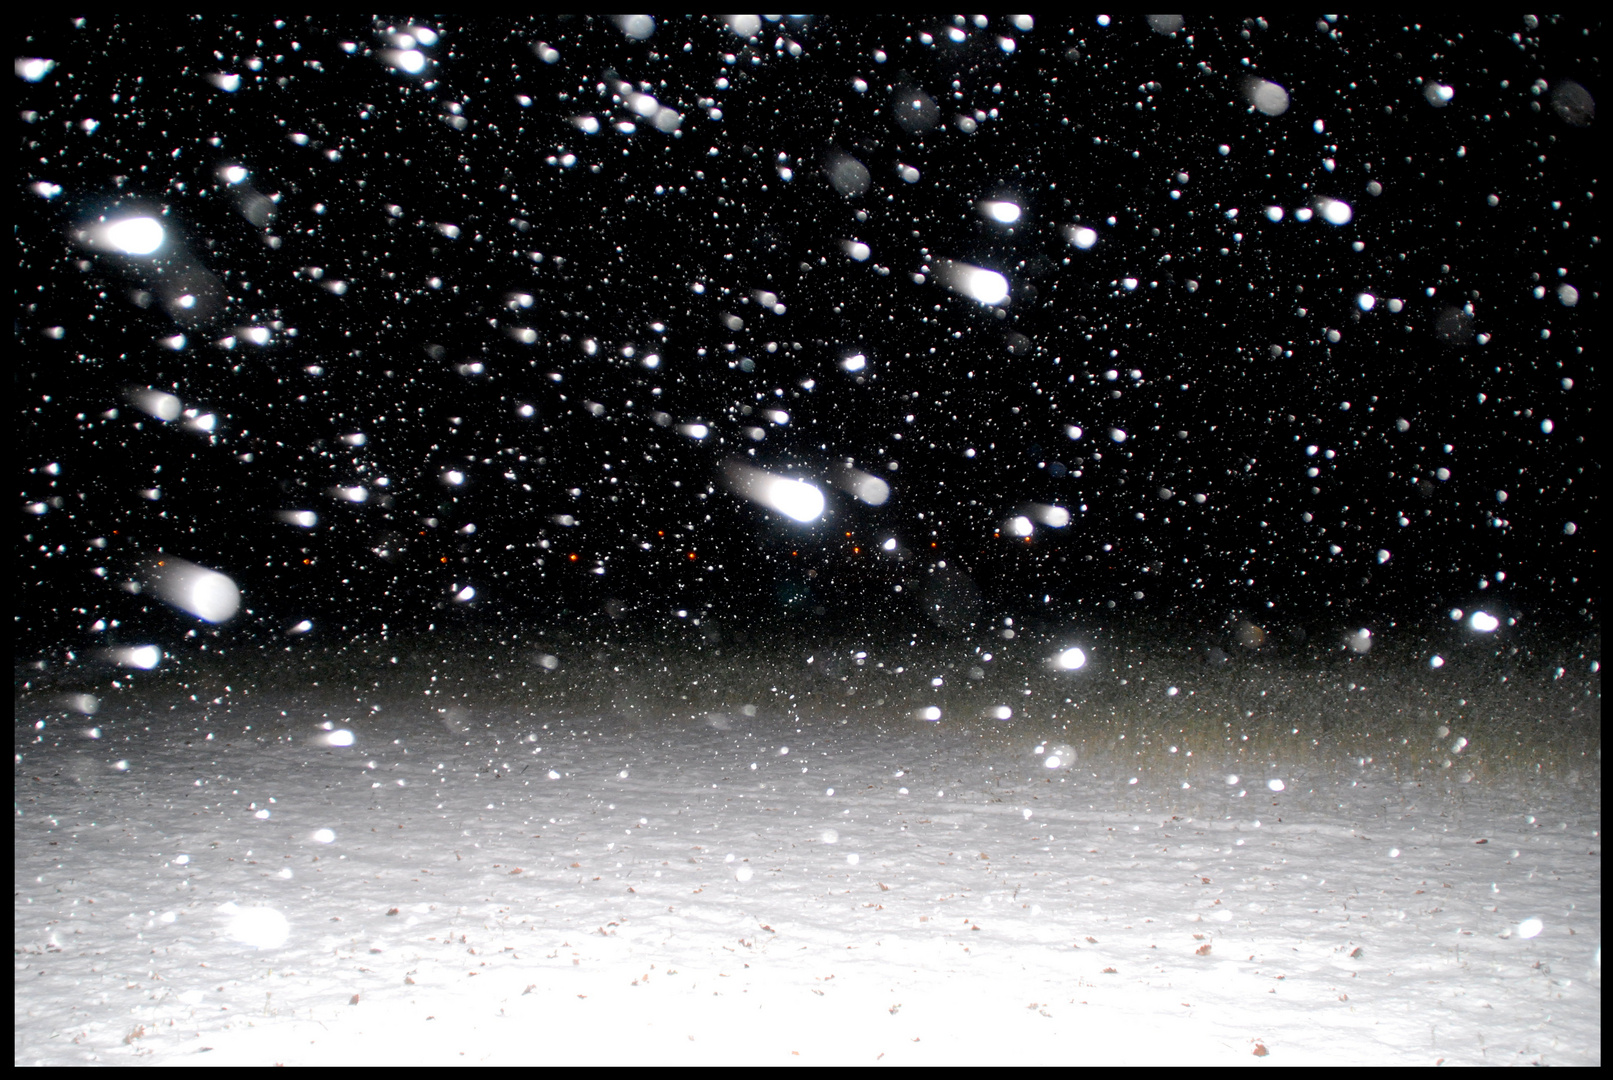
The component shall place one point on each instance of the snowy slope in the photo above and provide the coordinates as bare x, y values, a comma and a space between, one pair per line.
770, 889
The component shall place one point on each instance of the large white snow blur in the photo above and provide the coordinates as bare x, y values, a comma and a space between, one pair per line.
795, 499
1000, 210
863, 486
1267, 97
1071, 659
1335, 211
976, 282
135, 235
196, 590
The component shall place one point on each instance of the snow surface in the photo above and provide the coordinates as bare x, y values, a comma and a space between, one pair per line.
202, 888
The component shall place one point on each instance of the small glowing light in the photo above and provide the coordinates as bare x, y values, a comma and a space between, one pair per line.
855, 363
1020, 526
258, 927
864, 487
1082, 236
233, 174
1438, 94
1366, 301
1483, 622
1436, 661
144, 657
1071, 659
411, 60
1274, 213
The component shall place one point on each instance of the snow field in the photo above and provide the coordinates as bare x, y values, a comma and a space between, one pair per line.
562, 886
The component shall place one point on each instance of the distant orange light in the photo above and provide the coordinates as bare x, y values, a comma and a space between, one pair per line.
573, 557
691, 556
443, 559
856, 551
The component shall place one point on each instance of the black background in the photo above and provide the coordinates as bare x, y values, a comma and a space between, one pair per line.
1091, 123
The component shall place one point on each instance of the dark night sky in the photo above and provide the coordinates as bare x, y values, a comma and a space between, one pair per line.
428, 254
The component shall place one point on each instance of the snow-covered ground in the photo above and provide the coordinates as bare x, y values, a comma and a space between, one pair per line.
232, 884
